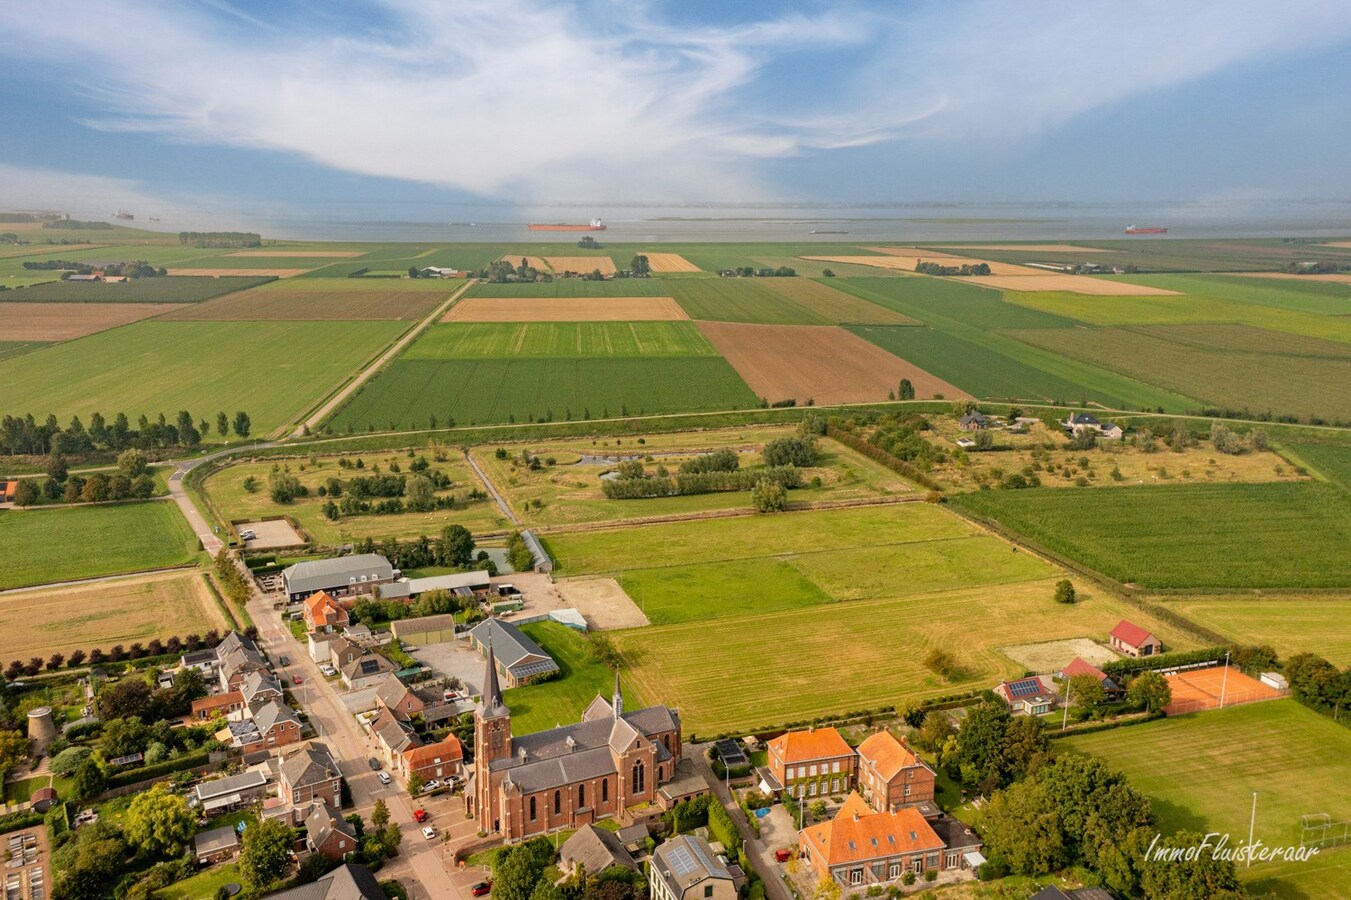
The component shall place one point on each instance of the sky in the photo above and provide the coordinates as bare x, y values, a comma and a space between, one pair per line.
289, 108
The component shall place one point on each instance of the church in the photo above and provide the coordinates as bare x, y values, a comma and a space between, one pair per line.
572, 775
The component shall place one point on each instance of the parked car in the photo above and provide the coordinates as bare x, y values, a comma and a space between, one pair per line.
431, 785
783, 855
383, 777
296, 679
429, 832
286, 660
328, 670
374, 764
420, 815
481, 888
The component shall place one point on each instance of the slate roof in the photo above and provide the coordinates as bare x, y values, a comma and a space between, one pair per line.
309, 766
273, 713
392, 733
216, 839
1084, 419
519, 655
596, 850
258, 682
322, 821
954, 834
320, 574
974, 417
684, 861
347, 882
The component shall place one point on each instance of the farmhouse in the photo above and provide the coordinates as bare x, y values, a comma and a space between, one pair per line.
686, 868
310, 774
815, 762
519, 659
328, 833
323, 613
973, 421
594, 850
890, 775
1132, 640
1081, 422
1080, 666
345, 576
1029, 696
568, 776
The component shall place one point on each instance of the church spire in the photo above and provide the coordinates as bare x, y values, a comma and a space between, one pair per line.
492, 693
617, 701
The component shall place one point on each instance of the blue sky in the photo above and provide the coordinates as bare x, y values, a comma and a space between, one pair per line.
288, 107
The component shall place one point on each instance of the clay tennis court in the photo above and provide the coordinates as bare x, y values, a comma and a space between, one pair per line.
670, 262
64, 321
300, 254
1336, 277
307, 305
220, 273
582, 264
1199, 689
1030, 248
566, 309
1074, 284
822, 363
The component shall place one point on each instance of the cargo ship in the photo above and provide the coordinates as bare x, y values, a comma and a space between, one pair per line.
1145, 229
593, 225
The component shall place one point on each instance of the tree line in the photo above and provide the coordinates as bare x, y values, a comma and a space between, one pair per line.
24, 436
933, 268
135, 269
131, 481
719, 471
213, 240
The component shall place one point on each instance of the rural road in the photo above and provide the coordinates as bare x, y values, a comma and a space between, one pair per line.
492, 489
756, 850
210, 542
365, 374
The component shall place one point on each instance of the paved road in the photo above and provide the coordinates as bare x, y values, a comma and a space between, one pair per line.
210, 541
760, 855
365, 374
492, 489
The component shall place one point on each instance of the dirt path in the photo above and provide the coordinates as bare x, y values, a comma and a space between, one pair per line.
492, 488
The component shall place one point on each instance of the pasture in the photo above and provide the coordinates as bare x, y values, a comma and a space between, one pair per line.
740, 300
822, 363
559, 340
281, 304
142, 290
560, 309
1187, 536
154, 367
64, 321
16, 348
123, 611
1332, 461
959, 300
207, 272
1292, 623
40, 546
537, 707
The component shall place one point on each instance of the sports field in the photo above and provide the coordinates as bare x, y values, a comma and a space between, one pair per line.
1187, 536
142, 290
1216, 687
47, 545
270, 371
1291, 623
559, 340
124, 611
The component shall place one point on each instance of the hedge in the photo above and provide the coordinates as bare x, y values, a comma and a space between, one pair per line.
21, 819
721, 827
1163, 661
877, 454
168, 767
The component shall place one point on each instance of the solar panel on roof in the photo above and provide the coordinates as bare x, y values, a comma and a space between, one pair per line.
1024, 688
681, 862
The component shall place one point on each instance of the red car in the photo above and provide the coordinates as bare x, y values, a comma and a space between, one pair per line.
296, 679
481, 888
783, 855
420, 815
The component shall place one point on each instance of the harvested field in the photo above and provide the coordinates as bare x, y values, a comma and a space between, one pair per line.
571, 309
906, 260
822, 363
43, 250
63, 321
281, 305
1337, 277
122, 611
921, 252
1030, 248
1345, 245
300, 254
582, 264
602, 601
834, 305
228, 273
1051, 656
670, 262
1075, 284
534, 262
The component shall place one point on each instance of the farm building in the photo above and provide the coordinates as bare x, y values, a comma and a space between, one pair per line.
425, 629
1132, 640
815, 762
344, 576
465, 585
543, 564
891, 775
1080, 666
1029, 696
1081, 422
519, 659
686, 868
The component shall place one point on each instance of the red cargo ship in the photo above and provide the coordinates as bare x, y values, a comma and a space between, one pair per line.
594, 225
1141, 229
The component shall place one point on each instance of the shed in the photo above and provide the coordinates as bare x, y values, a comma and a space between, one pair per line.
43, 799
216, 845
543, 564
1275, 680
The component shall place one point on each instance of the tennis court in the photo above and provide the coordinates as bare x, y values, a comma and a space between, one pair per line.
1198, 689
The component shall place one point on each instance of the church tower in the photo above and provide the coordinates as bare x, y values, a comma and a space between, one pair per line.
492, 741
617, 701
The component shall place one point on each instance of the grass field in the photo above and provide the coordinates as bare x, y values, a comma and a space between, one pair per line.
834, 305
576, 287
1188, 536
537, 707
1201, 770
272, 304
741, 300
1230, 366
1332, 461
272, 372
1292, 624
41, 546
980, 307
476, 391
1316, 297
142, 290
560, 340
124, 611
10, 349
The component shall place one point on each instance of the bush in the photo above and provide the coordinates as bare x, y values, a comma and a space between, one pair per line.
1064, 591
67, 761
769, 496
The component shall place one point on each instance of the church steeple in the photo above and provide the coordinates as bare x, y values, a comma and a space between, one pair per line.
493, 705
617, 701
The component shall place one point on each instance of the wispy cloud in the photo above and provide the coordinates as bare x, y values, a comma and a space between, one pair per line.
539, 99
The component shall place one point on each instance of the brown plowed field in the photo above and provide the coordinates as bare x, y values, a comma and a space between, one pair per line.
218, 273
565, 309
837, 306
1075, 284
300, 254
582, 264
64, 321
670, 262
282, 305
818, 362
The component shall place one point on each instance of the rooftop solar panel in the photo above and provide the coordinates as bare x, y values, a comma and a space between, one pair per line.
681, 862
1024, 688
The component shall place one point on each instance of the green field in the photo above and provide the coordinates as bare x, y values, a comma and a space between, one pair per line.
1292, 624
713, 590
560, 340
740, 300
10, 349
1201, 770
175, 289
576, 287
1228, 366
272, 371
1317, 297
41, 546
946, 299
1332, 461
537, 707
1188, 536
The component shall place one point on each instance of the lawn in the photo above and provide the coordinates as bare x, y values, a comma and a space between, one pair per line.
41, 546
1201, 770
1292, 624
476, 391
1188, 536
560, 340
178, 289
203, 885
562, 701
273, 371
741, 300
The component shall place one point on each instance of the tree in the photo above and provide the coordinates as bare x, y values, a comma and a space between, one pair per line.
980, 742
69, 760
222, 423
128, 697
123, 737
1064, 591
420, 494
906, 390
159, 821
13, 750
769, 496
640, 266
935, 731
132, 463
266, 854
391, 837
962, 407
54, 661
519, 868
457, 545
26, 493
795, 450
1024, 749
89, 780
242, 424
941, 663
1199, 876
415, 784
86, 866
1224, 440
1149, 691
380, 815
1087, 693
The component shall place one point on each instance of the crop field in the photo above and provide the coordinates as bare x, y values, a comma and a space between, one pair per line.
1232, 366
786, 665
834, 305
1294, 293
1201, 770
478, 391
142, 290
1188, 536
537, 707
299, 253
16, 348
271, 372
581, 264
947, 298
559, 340
63, 321
105, 613
1089, 285
270, 304
740, 300
1332, 461
232, 500
669, 262
1292, 624
575, 287
565, 309
42, 546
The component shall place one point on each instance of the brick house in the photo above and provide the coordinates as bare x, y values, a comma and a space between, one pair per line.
367, 670
439, 761
1081, 666
861, 846
891, 775
402, 702
328, 833
1132, 640
230, 704
310, 774
811, 763
686, 868
323, 613
1029, 696
259, 688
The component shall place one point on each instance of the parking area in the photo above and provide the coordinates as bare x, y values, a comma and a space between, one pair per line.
452, 659
270, 535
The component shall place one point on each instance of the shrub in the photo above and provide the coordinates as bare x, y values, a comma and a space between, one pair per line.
1064, 591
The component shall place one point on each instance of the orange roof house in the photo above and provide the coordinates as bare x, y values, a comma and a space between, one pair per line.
891, 775
811, 763
444, 759
322, 612
1132, 640
861, 846
218, 705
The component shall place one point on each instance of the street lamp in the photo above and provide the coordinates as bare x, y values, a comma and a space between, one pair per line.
1224, 679
1252, 824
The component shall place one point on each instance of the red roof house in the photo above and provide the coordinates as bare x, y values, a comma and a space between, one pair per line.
1132, 640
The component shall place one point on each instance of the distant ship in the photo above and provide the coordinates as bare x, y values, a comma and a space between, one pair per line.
593, 225
815, 231
1145, 229
123, 214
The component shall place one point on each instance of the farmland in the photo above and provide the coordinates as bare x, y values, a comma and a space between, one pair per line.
42, 546
122, 611
1332, 461
740, 300
833, 305
1292, 624
575, 287
958, 300
536, 707
63, 321
279, 304
565, 309
142, 290
153, 367
560, 340
1187, 536
16, 348
1201, 774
